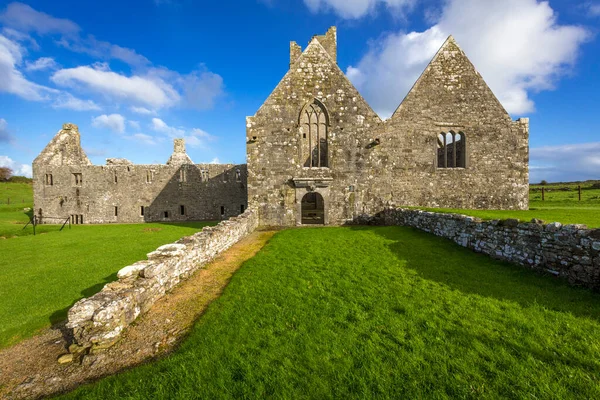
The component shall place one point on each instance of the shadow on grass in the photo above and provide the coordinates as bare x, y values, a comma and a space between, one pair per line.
443, 261
61, 315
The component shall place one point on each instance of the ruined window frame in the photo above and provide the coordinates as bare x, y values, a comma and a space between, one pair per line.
447, 153
78, 178
314, 116
49, 180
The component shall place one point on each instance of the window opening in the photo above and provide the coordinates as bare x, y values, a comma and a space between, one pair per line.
78, 179
313, 125
451, 150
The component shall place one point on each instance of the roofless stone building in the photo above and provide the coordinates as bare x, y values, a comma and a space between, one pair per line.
317, 154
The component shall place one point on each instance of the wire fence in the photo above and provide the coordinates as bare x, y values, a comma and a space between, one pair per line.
35, 221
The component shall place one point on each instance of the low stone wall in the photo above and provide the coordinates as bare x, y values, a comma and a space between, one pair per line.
569, 251
97, 322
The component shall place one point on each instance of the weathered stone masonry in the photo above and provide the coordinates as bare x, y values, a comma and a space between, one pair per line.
66, 184
97, 322
570, 251
364, 163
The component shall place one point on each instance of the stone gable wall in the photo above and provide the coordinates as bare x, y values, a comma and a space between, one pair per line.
568, 251
98, 322
375, 163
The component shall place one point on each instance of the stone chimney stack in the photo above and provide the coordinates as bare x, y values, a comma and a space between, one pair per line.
179, 156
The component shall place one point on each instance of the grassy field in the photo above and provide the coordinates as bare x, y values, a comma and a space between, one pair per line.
561, 204
42, 276
379, 312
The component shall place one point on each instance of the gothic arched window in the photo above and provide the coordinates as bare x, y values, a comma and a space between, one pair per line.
451, 150
313, 135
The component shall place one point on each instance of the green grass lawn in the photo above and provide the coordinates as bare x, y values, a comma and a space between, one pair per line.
42, 276
379, 312
559, 206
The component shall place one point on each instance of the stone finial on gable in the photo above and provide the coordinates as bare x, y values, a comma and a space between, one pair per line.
179, 156
295, 52
329, 42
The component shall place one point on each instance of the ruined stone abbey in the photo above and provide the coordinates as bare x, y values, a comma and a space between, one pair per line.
316, 153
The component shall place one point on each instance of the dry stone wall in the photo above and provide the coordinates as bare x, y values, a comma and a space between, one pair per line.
97, 322
568, 251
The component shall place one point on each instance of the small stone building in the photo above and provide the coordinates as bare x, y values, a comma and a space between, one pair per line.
318, 154
67, 185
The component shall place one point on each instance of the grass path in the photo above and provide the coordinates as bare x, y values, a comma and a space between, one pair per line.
386, 312
42, 276
154, 334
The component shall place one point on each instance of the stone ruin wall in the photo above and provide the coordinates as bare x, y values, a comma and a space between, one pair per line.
98, 322
98, 195
366, 174
571, 252
116, 192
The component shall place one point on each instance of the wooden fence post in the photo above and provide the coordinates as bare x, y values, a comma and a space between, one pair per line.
579, 188
543, 193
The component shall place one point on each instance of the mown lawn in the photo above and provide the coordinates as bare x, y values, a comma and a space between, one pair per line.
379, 312
561, 204
42, 276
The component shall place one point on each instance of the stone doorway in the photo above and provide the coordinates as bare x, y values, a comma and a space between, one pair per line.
313, 209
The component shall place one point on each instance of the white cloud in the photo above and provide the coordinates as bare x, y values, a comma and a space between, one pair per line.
20, 37
194, 138
152, 92
569, 162
5, 136
24, 18
103, 50
142, 138
592, 9
114, 122
141, 110
354, 9
41, 64
11, 79
68, 101
517, 45
134, 124
18, 168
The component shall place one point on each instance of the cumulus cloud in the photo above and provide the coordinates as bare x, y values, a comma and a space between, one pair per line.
353, 9
114, 122
103, 50
5, 136
195, 137
142, 138
140, 110
24, 18
41, 64
148, 91
569, 162
135, 125
517, 45
11, 79
70, 102
18, 168
592, 9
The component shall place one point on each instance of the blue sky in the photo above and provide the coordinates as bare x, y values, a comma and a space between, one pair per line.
135, 74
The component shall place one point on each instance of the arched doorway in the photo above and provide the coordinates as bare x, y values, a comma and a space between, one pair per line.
313, 209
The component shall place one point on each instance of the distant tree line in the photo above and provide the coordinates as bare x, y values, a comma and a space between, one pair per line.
6, 175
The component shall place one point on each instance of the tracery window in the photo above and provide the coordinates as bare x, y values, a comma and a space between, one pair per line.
451, 150
313, 131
